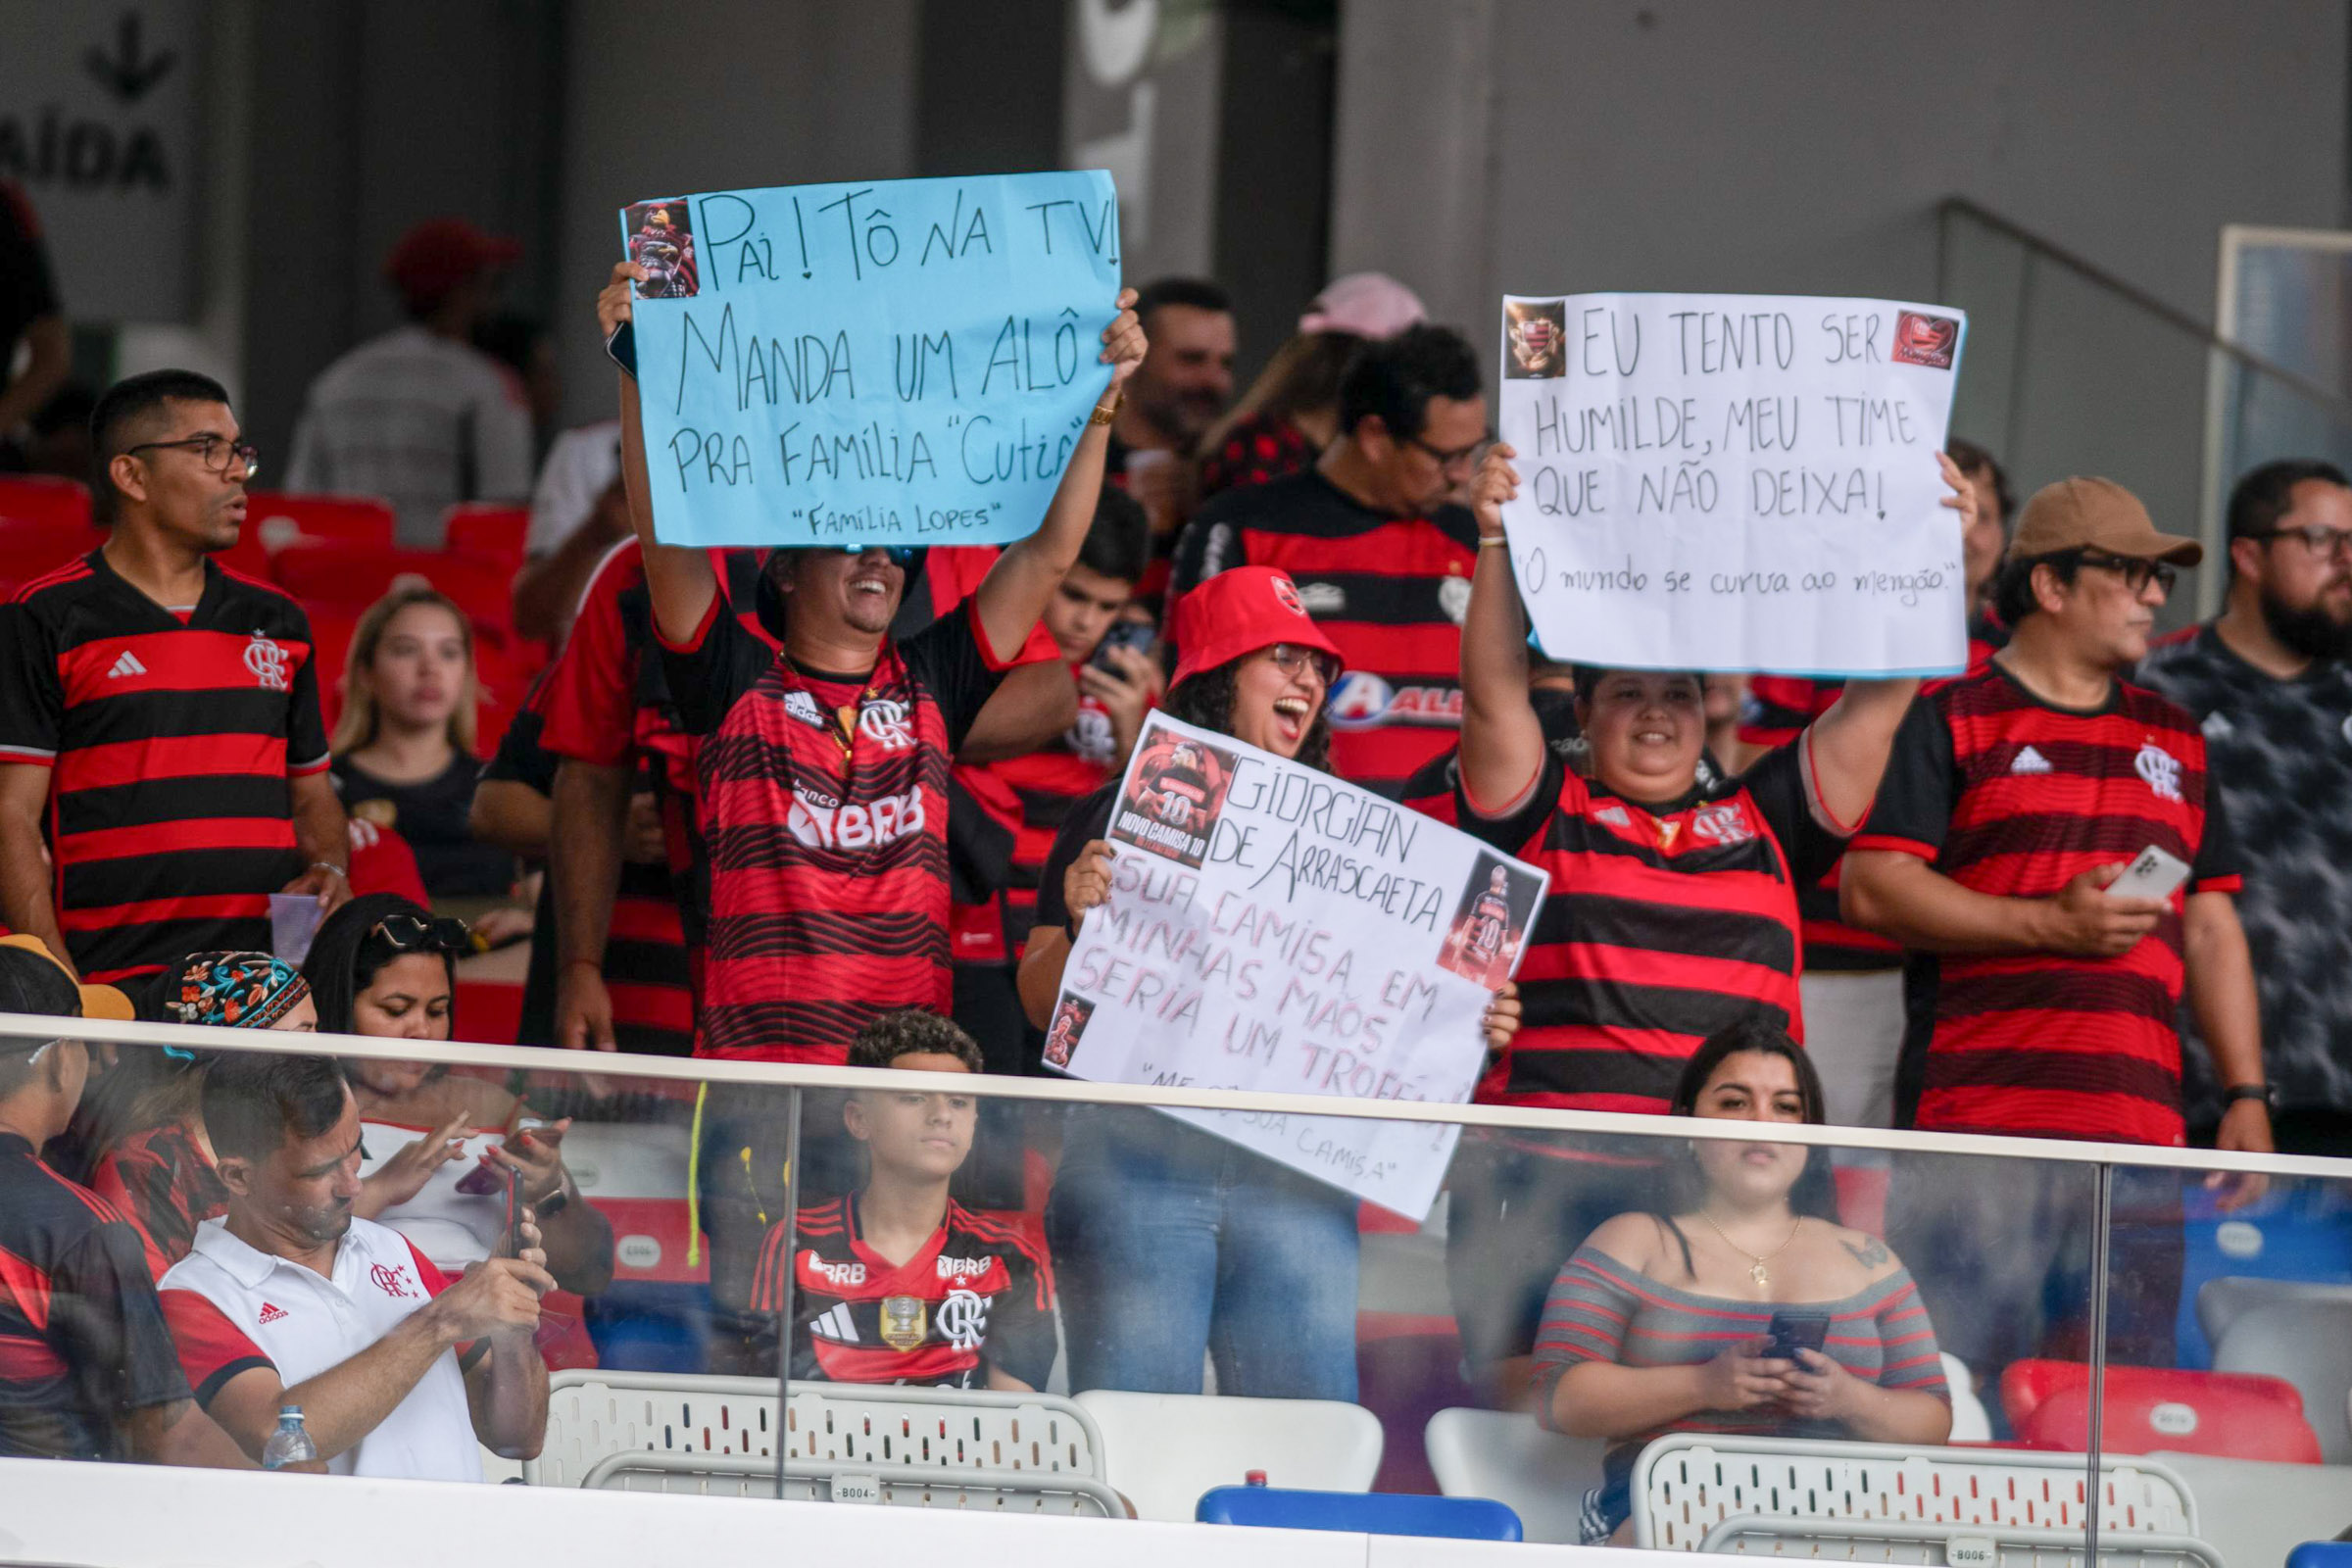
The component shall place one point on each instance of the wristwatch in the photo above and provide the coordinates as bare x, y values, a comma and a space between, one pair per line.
2262, 1092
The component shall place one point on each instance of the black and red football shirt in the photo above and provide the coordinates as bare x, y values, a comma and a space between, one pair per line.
1390, 591
822, 798
2011, 796
170, 739
979, 1294
162, 1183
1663, 924
82, 1338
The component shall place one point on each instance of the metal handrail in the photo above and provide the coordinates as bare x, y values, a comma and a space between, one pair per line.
2171, 315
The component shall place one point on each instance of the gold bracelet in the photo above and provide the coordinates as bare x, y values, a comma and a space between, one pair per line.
1104, 416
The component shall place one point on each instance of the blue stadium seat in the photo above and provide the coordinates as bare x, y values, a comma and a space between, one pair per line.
2320, 1554
1377, 1513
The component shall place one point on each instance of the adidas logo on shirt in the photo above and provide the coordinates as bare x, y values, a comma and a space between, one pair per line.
2030, 760
270, 1313
837, 1325
127, 665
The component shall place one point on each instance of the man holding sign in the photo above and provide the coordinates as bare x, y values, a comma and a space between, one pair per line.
1625, 992
824, 772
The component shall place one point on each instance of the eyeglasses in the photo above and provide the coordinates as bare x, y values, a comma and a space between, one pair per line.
409, 933
2135, 572
1290, 659
216, 452
2321, 542
1458, 457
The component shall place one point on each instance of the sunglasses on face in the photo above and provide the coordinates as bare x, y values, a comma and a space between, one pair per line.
2136, 572
902, 557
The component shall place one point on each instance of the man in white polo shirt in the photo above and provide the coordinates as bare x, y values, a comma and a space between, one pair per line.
290, 1299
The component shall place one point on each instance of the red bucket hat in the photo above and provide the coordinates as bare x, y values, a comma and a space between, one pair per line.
1236, 613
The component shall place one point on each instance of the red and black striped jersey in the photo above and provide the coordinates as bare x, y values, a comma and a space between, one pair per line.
1390, 591
163, 1184
2012, 797
822, 798
1000, 828
1257, 450
82, 1338
979, 1294
646, 969
1662, 926
169, 740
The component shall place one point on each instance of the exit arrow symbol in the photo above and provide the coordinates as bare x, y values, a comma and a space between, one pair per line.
130, 71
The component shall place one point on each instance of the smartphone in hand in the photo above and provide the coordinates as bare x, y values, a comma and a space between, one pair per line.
1791, 1332
512, 1246
1131, 634
2152, 874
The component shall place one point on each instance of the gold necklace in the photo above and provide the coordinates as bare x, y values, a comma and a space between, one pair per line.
1757, 1273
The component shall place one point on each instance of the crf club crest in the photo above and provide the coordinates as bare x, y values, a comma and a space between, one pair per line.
883, 719
269, 662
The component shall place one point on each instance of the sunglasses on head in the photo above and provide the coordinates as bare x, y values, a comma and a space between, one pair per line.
409, 933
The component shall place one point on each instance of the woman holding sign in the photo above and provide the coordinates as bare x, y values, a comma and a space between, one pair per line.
1671, 911
1169, 1242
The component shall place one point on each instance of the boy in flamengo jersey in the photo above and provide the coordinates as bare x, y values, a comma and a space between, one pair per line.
898, 1282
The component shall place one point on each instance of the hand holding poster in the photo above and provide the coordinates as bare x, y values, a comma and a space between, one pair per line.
1735, 482
898, 362
1273, 928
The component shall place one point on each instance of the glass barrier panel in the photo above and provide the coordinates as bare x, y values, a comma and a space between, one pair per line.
1669, 1334
2229, 1353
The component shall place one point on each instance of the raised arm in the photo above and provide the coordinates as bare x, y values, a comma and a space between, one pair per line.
1017, 588
1848, 747
678, 577
1503, 740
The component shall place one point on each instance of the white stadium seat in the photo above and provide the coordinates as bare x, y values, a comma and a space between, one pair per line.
1163, 1450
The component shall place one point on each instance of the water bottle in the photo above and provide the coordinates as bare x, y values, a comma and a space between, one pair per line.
289, 1444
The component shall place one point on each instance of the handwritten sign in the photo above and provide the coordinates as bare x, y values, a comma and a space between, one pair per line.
898, 362
1735, 482
1274, 928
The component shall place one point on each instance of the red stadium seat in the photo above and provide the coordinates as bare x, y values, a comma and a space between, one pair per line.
38, 498
2228, 1414
331, 642
323, 572
280, 518
489, 1013
33, 547
490, 529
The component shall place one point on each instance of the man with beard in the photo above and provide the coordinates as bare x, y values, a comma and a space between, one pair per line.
289, 1300
2268, 684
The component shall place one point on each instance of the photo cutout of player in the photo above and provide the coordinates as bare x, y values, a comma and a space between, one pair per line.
1490, 924
661, 242
1537, 331
1070, 1016
1179, 786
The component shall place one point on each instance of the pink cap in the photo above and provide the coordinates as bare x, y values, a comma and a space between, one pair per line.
1367, 304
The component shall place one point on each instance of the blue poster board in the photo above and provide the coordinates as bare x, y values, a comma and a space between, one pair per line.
900, 361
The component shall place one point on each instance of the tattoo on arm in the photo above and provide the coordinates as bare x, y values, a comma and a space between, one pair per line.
1871, 1255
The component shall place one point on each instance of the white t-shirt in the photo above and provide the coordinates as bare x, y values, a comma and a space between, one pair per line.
580, 466
450, 1227
423, 421
231, 1307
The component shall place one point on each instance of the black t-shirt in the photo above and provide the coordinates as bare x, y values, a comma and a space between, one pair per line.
432, 817
83, 1340
1089, 820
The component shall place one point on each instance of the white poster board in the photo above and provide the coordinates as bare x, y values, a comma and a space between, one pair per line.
1735, 482
1272, 928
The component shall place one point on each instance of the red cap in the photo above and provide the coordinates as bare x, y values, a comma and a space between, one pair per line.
1236, 613
439, 253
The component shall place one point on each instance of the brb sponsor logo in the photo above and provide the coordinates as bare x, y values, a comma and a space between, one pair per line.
973, 1267
1362, 699
839, 1275
822, 822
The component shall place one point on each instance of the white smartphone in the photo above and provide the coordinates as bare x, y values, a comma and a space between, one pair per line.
2152, 874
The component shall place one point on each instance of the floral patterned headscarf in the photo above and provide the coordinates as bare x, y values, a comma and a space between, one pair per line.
234, 990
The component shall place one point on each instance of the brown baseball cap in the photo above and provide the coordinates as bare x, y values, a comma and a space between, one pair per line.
2097, 514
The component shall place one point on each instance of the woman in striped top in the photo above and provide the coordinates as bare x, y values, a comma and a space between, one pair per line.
1662, 1321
